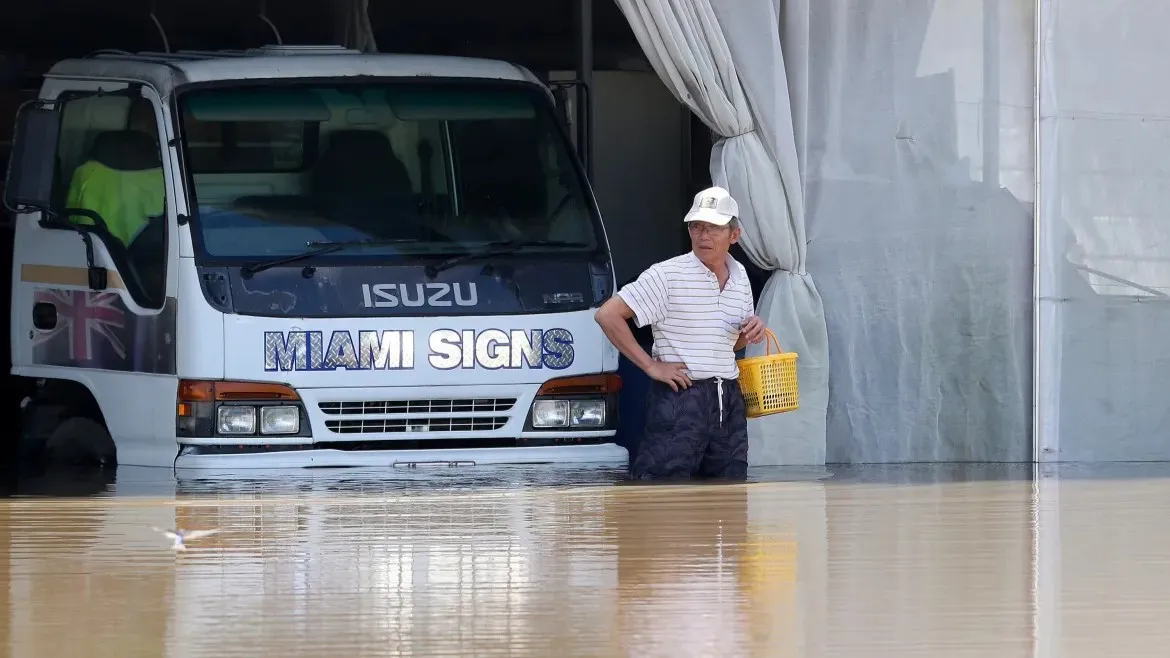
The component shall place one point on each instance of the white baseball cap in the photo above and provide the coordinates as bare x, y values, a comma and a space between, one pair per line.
713, 205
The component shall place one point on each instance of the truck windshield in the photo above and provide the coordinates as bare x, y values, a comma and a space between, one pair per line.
413, 169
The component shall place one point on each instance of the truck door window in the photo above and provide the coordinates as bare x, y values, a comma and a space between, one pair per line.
109, 162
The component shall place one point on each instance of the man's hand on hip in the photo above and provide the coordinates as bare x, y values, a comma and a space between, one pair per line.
672, 374
752, 330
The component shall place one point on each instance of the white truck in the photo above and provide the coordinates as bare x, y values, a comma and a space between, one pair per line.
306, 256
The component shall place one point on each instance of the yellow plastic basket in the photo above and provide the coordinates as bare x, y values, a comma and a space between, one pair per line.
769, 382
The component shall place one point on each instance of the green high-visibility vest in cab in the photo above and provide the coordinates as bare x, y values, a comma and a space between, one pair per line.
122, 181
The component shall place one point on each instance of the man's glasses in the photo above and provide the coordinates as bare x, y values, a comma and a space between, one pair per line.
702, 228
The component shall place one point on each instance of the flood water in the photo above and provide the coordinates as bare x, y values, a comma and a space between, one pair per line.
879, 561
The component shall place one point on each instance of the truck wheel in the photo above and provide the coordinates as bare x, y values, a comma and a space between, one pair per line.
81, 441
37, 423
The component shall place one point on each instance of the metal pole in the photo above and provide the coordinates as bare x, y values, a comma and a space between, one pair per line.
585, 75
1047, 307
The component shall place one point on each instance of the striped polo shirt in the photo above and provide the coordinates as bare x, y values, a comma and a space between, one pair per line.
693, 322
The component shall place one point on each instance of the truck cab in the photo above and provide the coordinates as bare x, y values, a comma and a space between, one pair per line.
306, 256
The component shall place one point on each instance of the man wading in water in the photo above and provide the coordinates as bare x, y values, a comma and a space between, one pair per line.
700, 310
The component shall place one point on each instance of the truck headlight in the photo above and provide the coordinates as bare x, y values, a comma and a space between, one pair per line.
550, 413
580, 402
587, 413
206, 409
237, 420
568, 413
280, 420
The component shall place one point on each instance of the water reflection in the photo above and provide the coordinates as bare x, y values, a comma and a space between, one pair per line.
513, 562
84, 578
891, 561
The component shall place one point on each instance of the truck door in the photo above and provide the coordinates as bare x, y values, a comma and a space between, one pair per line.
96, 252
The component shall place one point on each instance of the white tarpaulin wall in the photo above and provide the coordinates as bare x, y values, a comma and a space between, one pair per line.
723, 60
1104, 314
917, 161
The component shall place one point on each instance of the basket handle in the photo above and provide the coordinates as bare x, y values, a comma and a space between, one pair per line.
769, 339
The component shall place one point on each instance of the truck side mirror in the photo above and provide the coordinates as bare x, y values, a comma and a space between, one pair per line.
28, 185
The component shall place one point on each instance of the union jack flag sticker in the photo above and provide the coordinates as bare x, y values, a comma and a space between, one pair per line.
87, 318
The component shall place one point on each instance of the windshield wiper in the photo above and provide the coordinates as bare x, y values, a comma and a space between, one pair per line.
495, 249
319, 249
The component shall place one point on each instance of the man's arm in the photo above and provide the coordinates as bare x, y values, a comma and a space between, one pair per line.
751, 327
752, 331
740, 343
644, 300
613, 316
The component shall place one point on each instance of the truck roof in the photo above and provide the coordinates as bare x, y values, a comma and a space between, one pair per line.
165, 71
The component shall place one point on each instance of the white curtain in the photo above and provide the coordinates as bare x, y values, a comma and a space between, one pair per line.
351, 20
723, 60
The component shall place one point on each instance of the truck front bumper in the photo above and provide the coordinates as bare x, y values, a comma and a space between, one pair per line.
322, 456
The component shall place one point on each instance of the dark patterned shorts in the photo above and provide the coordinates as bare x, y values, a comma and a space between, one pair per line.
685, 436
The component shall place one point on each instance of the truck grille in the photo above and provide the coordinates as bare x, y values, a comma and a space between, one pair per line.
384, 407
439, 415
378, 425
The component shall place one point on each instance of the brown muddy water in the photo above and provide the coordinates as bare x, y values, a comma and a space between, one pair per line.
880, 561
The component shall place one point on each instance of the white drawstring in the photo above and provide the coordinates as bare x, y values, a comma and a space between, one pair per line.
719, 392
